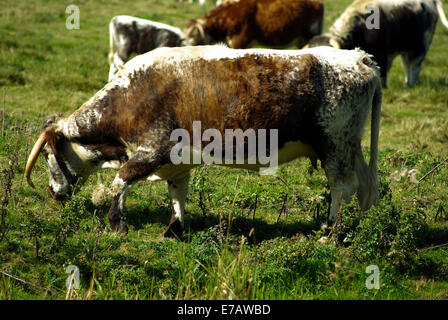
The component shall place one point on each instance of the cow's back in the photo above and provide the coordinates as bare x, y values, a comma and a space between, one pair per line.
291, 90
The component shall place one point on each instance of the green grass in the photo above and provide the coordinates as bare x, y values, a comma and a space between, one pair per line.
230, 250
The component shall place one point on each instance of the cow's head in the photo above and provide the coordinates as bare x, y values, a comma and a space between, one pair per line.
195, 32
323, 41
69, 162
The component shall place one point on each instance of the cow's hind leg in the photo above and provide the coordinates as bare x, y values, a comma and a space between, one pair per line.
341, 192
177, 190
342, 179
367, 192
343, 184
347, 175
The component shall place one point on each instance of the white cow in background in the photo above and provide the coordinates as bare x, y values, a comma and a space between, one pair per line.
131, 35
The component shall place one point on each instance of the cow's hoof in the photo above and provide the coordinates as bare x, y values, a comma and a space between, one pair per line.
174, 230
326, 230
326, 227
119, 226
323, 240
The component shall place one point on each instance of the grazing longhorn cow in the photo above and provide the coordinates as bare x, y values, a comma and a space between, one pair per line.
134, 35
317, 99
404, 27
270, 22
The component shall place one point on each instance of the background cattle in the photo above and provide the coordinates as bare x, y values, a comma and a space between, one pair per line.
276, 23
201, 2
406, 28
131, 35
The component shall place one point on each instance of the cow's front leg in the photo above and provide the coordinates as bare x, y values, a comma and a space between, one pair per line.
177, 190
117, 214
140, 166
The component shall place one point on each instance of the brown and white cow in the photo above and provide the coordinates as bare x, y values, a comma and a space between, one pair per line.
276, 23
318, 100
131, 35
404, 27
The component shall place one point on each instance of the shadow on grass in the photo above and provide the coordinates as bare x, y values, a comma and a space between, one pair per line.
241, 226
432, 260
432, 236
138, 217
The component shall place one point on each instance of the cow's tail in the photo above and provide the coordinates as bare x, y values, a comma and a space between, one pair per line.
374, 138
111, 40
441, 13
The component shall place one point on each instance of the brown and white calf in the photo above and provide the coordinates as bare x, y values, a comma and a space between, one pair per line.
131, 35
277, 23
404, 27
318, 100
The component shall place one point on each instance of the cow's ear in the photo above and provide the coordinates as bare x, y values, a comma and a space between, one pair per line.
51, 120
53, 138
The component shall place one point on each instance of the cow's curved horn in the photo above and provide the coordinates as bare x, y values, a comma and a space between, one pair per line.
40, 143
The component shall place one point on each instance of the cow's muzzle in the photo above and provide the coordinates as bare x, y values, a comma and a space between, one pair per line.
54, 196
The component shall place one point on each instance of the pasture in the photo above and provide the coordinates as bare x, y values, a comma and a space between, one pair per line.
247, 236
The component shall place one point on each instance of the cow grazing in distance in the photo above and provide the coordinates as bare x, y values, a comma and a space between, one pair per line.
404, 27
202, 2
318, 100
220, 2
275, 23
131, 35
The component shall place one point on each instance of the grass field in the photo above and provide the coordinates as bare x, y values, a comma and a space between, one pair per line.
247, 237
